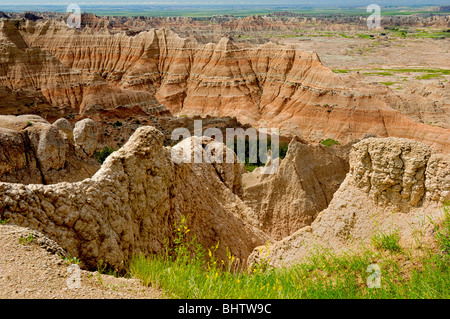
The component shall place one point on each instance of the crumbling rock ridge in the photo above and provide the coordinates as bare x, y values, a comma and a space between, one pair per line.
393, 185
33, 151
130, 205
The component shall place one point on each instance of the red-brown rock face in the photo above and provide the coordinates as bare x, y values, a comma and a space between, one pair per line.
268, 85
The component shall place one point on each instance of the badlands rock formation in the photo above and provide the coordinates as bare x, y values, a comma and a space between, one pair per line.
393, 185
302, 187
130, 205
35, 151
277, 21
271, 85
84, 135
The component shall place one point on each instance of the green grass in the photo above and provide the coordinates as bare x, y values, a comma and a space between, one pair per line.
378, 73
388, 242
341, 71
249, 167
329, 142
4, 221
26, 240
428, 76
103, 268
345, 70
363, 36
442, 229
417, 33
412, 70
188, 271
388, 83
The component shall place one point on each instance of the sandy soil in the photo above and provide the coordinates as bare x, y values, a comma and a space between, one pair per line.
35, 270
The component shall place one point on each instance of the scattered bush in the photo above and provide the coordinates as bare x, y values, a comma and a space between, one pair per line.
251, 163
103, 154
117, 124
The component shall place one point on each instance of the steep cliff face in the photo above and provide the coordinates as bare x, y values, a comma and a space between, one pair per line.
130, 205
269, 85
25, 66
393, 185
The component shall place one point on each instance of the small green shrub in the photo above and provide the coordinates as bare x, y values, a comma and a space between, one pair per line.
4, 221
26, 240
71, 260
283, 149
103, 154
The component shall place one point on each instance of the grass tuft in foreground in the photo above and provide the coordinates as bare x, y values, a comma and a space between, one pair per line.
387, 241
324, 274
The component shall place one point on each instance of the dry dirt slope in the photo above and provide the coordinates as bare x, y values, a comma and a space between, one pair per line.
35, 270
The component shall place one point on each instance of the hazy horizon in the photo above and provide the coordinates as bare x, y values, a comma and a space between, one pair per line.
317, 3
